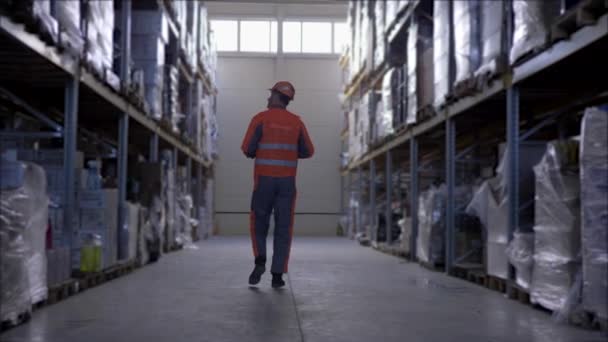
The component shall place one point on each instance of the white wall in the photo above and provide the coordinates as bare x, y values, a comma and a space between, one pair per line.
242, 84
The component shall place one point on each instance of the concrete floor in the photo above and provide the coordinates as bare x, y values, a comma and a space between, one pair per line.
337, 292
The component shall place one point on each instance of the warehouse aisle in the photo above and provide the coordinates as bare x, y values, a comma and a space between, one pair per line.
342, 292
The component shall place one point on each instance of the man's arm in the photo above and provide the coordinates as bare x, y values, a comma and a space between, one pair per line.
252, 138
305, 147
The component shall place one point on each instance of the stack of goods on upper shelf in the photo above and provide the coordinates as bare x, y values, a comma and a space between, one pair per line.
594, 205
99, 39
441, 51
90, 31
207, 46
149, 37
36, 15
379, 27
23, 231
68, 17
445, 51
467, 38
532, 24
210, 128
171, 99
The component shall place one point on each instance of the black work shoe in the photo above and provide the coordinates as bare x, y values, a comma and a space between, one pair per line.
256, 275
277, 280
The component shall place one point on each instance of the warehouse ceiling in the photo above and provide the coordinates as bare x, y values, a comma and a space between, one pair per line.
289, 8
297, 2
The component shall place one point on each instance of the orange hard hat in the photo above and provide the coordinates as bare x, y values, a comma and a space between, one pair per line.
285, 88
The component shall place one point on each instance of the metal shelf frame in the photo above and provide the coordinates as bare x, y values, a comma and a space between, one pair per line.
504, 95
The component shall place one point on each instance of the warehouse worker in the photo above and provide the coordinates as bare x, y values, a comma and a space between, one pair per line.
276, 138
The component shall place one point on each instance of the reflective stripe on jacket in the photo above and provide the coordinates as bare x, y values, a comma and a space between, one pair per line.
277, 138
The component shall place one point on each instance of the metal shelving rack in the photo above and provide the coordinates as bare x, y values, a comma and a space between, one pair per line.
568, 73
37, 72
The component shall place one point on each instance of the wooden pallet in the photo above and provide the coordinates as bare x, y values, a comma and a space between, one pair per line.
34, 25
90, 280
475, 84
496, 284
394, 251
425, 113
519, 294
583, 14
437, 267
599, 323
21, 319
62, 291
471, 273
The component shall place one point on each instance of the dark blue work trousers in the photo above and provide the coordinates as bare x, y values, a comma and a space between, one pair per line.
276, 194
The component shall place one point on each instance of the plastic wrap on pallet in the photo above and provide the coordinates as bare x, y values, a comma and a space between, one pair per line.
467, 38
551, 282
131, 230
532, 23
185, 221
406, 233
557, 203
557, 224
367, 39
412, 74
68, 17
391, 11
39, 10
380, 25
594, 204
441, 51
493, 36
355, 50
99, 34
203, 31
431, 225
384, 117
491, 207
23, 225
364, 125
169, 195
353, 143
571, 309
521, 255
171, 93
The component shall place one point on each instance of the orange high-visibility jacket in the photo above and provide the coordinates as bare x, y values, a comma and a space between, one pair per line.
277, 138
